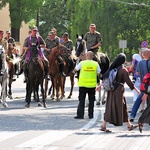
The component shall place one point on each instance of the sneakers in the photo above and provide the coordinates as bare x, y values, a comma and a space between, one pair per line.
131, 119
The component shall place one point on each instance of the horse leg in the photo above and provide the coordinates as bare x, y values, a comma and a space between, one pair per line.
72, 86
9, 86
28, 95
53, 87
43, 97
46, 87
62, 84
4, 91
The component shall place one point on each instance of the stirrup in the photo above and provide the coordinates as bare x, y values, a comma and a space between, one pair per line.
63, 74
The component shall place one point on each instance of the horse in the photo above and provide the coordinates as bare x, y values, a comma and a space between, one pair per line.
80, 48
3, 79
13, 63
57, 79
35, 74
102, 60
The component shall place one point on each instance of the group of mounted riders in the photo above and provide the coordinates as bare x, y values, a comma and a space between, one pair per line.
92, 41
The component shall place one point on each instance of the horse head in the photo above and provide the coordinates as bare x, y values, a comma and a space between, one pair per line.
80, 45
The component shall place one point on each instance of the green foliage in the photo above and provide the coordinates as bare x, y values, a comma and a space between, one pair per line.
115, 20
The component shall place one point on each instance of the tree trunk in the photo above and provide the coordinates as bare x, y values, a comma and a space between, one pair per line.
15, 33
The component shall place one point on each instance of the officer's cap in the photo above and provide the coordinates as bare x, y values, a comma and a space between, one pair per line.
65, 34
93, 25
8, 31
34, 28
51, 33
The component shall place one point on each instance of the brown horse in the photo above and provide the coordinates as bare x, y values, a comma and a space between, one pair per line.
58, 81
12, 61
35, 77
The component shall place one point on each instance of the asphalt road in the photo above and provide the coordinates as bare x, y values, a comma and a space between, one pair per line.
54, 127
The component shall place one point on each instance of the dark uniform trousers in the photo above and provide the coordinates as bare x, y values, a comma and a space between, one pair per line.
82, 96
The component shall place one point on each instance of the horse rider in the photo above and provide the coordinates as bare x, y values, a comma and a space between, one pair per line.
69, 44
93, 39
9, 38
52, 41
32, 41
3, 44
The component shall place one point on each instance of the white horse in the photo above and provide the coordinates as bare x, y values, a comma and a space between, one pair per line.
3, 79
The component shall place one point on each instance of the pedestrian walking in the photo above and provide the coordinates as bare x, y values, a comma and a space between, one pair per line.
136, 58
87, 82
116, 107
93, 39
141, 71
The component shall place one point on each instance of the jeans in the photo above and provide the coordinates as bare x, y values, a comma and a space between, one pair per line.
136, 105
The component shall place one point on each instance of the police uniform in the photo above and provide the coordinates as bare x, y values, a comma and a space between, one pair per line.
3, 44
92, 39
87, 83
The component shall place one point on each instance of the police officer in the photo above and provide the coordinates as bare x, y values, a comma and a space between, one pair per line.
51, 42
32, 41
93, 39
87, 83
69, 44
3, 44
9, 38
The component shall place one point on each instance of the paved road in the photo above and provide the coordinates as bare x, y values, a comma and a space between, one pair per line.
54, 128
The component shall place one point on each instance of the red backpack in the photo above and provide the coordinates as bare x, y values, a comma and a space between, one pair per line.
145, 85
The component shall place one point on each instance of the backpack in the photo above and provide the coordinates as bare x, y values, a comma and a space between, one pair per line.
109, 83
145, 85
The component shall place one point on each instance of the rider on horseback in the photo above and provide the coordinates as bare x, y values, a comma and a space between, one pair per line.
69, 44
37, 41
51, 42
4, 45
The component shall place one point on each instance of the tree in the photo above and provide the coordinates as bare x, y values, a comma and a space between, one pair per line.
20, 10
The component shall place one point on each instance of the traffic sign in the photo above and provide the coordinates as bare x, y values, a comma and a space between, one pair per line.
144, 44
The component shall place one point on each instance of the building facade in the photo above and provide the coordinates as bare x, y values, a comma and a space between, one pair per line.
5, 26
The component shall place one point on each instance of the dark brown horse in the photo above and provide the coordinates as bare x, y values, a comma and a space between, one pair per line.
35, 77
58, 81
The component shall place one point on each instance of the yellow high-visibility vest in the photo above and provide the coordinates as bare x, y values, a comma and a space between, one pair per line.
88, 74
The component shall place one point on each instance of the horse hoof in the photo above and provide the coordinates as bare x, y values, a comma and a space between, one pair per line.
27, 105
45, 105
68, 97
98, 103
39, 104
5, 105
103, 102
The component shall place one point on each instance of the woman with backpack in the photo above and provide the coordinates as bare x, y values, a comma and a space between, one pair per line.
116, 108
